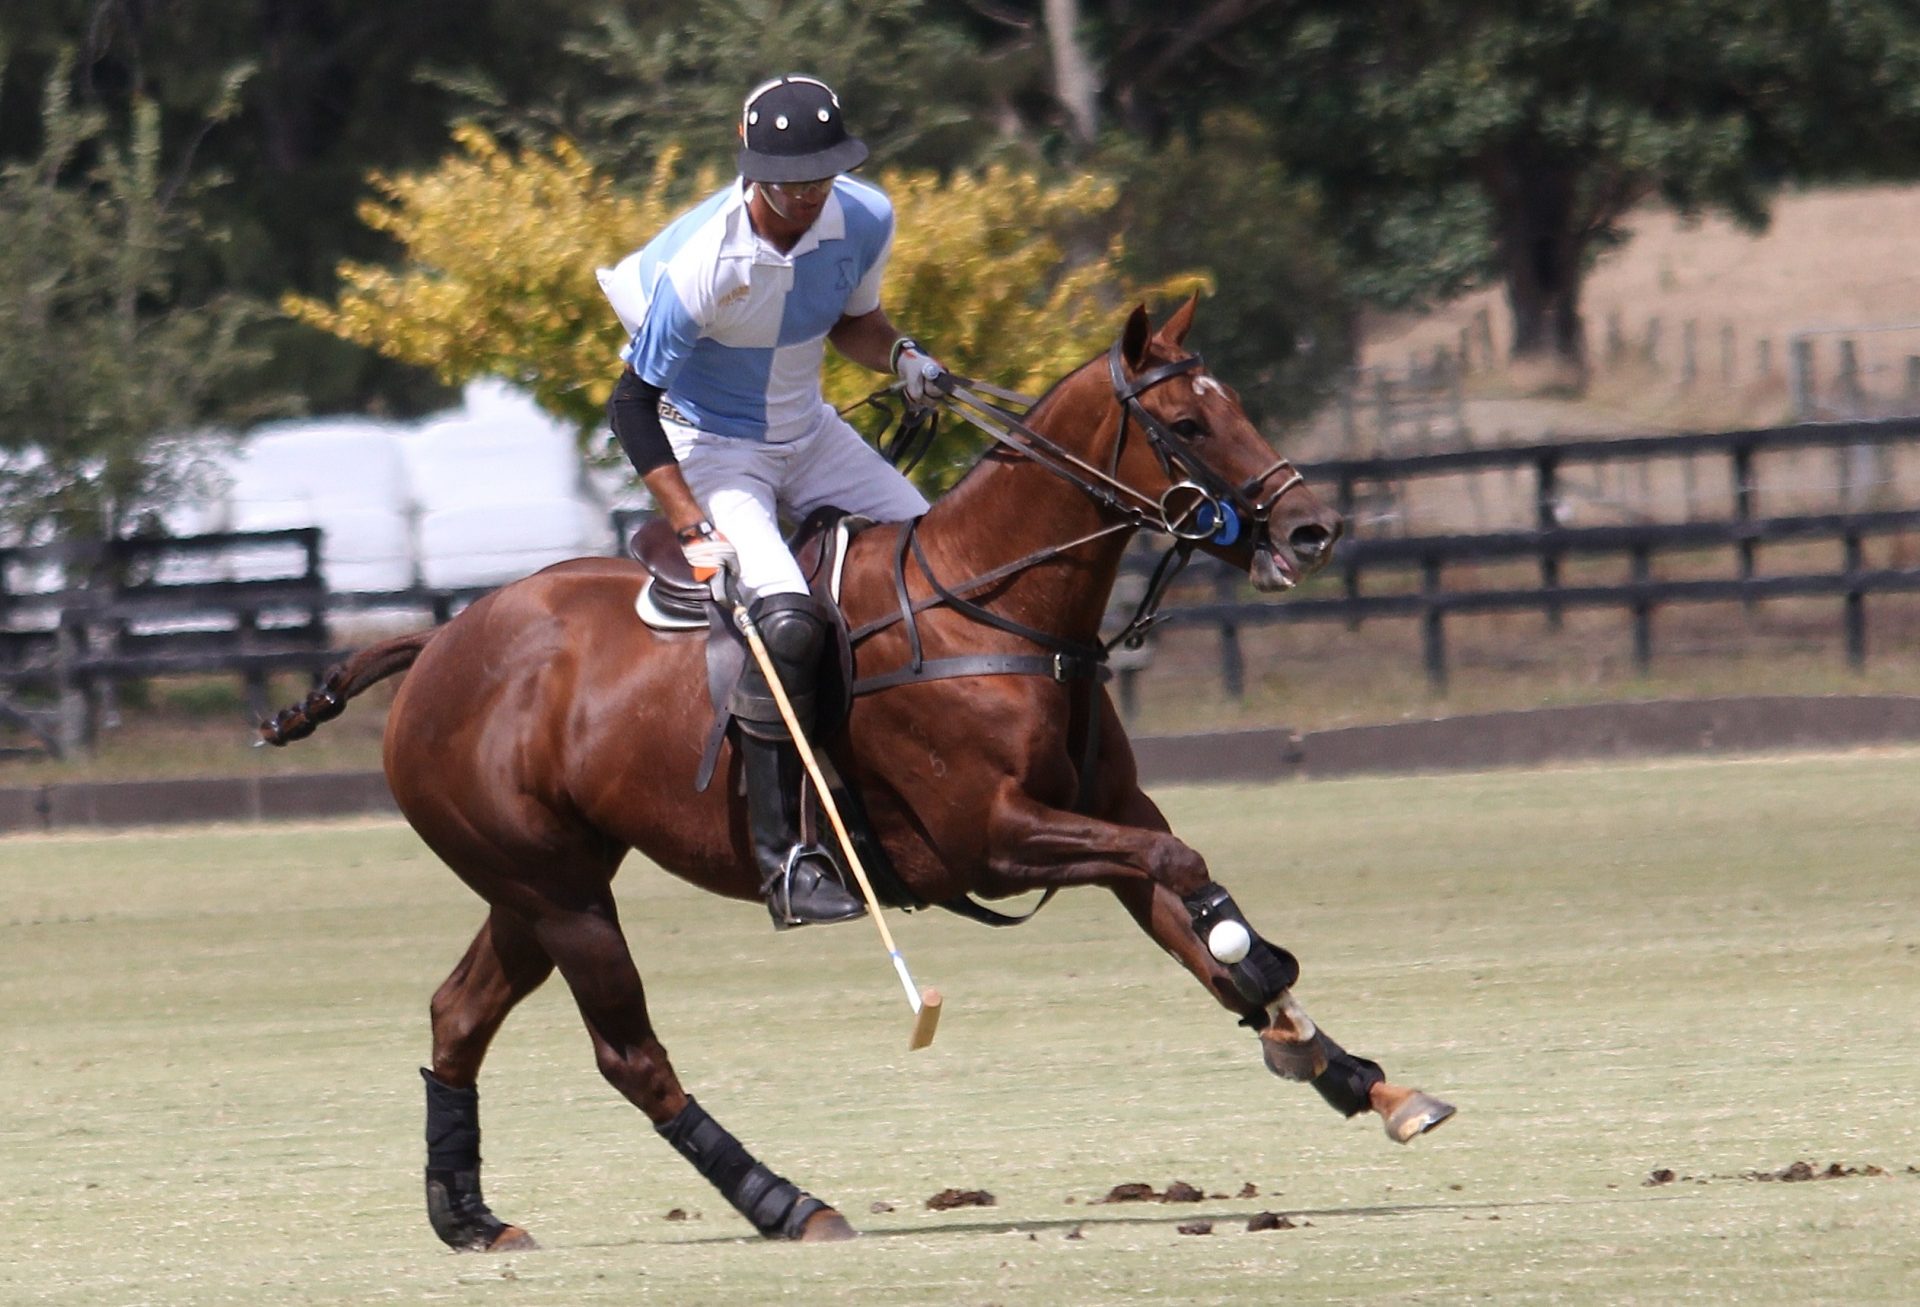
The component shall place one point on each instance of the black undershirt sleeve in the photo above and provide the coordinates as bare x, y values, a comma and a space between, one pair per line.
634, 412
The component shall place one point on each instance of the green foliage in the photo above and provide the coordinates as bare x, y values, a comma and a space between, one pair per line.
106, 373
1276, 326
646, 77
1564, 114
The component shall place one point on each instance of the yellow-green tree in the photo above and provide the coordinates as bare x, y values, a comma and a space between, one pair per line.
500, 249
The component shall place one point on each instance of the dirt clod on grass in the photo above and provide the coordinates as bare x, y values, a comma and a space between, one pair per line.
1269, 1221
1197, 1227
1807, 1171
948, 1199
1136, 1192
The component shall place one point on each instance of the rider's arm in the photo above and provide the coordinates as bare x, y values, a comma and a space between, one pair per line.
871, 340
866, 339
635, 412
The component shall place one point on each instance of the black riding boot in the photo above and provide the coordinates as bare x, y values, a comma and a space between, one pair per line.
799, 882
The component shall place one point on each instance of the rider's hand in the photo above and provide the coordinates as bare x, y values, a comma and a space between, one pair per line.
922, 379
708, 552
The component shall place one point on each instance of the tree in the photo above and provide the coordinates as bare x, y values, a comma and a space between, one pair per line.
1278, 323
109, 376
1562, 115
342, 88
500, 249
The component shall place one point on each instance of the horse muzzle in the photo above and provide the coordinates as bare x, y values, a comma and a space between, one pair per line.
1281, 565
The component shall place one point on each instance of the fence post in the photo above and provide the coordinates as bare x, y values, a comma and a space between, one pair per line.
74, 725
1547, 516
1344, 500
1856, 606
1642, 610
1433, 637
1743, 499
1233, 665
1800, 376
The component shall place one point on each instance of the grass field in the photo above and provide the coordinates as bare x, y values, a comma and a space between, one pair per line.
208, 1044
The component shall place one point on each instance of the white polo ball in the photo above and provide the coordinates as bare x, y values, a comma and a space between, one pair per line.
1229, 941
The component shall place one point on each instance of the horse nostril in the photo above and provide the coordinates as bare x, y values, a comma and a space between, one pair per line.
1309, 541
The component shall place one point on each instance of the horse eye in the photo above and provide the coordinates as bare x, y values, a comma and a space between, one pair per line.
1188, 429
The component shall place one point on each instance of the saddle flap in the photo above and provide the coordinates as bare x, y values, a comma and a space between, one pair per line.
655, 547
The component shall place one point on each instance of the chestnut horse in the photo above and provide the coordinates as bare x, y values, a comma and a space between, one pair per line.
545, 731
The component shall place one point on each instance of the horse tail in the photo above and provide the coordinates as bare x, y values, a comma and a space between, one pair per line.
341, 682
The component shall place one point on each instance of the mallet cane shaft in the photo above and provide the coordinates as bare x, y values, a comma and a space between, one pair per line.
925, 1002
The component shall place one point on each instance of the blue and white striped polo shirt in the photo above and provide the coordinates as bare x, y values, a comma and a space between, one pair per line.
733, 330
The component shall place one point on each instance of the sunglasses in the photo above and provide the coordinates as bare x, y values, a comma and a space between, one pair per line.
802, 190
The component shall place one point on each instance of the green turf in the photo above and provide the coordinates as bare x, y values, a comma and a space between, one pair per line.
208, 1042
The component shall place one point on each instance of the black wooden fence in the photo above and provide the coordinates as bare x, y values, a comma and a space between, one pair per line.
1410, 577
77, 621
73, 624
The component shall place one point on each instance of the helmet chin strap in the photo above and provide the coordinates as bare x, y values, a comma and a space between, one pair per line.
767, 197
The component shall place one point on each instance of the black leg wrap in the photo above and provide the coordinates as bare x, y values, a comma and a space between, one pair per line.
775, 1206
1267, 971
459, 1214
1347, 1082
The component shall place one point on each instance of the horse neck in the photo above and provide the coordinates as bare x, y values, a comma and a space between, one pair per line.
1010, 508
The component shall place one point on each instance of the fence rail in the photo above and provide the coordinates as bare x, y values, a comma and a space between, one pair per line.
1432, 602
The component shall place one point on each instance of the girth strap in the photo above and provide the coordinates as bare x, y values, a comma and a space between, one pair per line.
1062, 667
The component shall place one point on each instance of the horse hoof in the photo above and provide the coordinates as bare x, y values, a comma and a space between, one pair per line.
826, 1226
1300, 1060
512, 1240
1414, 1115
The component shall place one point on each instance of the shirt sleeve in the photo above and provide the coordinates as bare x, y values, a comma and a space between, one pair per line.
866, 295
667, 334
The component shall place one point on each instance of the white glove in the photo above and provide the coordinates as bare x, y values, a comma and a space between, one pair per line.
922, 379
708, 552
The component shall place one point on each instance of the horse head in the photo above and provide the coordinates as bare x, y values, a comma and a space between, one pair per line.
1184, 439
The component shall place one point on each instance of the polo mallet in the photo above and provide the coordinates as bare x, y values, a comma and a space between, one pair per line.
924, 1002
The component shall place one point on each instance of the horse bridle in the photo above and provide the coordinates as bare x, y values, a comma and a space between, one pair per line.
1217, 508
1213, 510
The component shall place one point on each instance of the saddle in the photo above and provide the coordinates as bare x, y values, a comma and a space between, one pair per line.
672, 601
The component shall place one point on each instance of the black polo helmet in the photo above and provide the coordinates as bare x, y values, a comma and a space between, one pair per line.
791, 130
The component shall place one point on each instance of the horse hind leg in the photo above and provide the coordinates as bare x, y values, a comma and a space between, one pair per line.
502, 966
592, 955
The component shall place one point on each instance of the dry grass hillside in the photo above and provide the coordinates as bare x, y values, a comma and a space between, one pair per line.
1834, 265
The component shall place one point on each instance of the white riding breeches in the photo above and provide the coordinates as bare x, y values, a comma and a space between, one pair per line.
745, 486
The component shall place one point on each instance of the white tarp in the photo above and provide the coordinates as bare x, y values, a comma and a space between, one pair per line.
480, 495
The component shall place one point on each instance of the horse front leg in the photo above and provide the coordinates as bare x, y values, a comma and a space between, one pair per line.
1166, 886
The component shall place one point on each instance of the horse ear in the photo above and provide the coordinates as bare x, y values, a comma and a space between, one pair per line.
1133, 340
1175, 330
